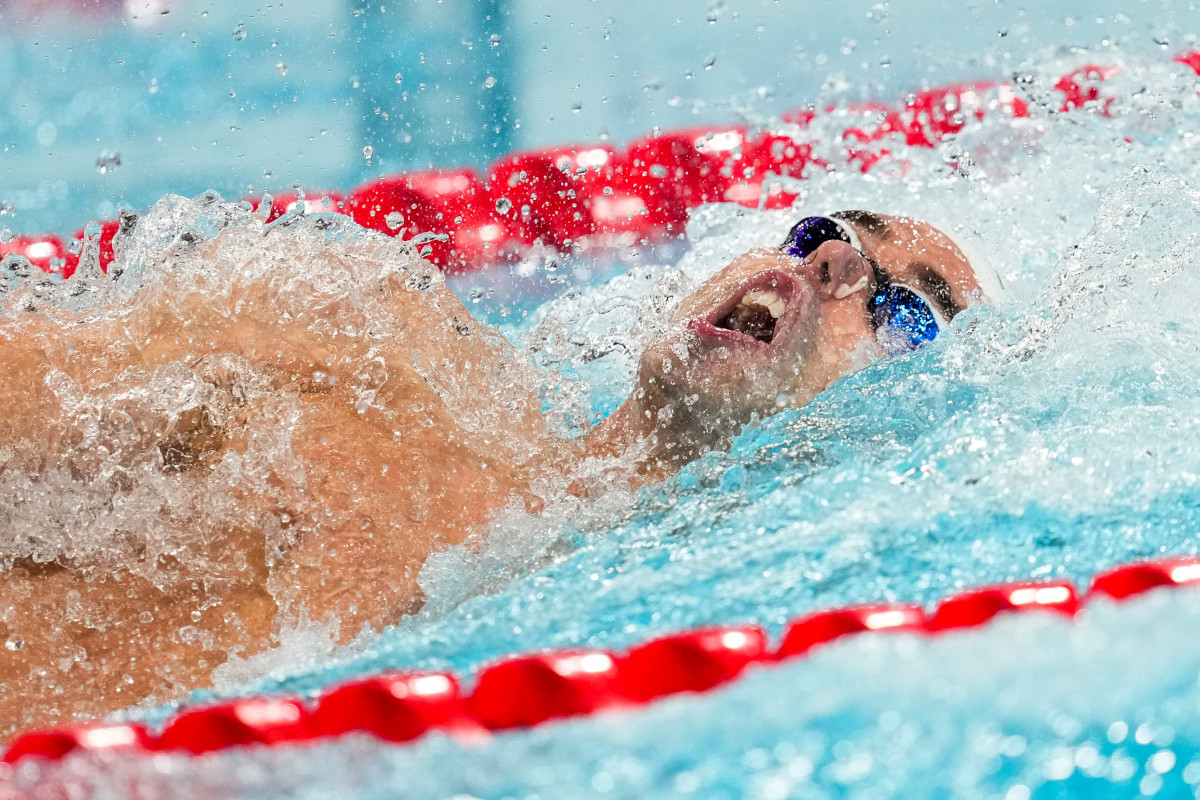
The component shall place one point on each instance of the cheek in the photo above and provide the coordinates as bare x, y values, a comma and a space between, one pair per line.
847, 341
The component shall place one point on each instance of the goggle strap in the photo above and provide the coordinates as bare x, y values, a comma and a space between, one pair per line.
848, 229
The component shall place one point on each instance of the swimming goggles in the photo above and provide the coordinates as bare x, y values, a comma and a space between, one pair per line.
901, 318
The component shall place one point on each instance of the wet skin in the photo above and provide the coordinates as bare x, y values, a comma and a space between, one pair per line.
385, 487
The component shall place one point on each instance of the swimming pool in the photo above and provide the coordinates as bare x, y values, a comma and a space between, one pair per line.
1047, 436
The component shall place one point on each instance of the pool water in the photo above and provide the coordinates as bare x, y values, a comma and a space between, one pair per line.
1050, 434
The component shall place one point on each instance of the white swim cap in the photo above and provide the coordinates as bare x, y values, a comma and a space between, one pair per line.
972, 247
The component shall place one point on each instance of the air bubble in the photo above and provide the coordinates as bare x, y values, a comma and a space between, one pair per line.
394, 220
281, 68
368, 151
239, 33
399, 78
708, 62
503, 205
14, 643
489, 82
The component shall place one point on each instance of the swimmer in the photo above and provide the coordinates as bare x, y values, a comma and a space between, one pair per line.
374, 445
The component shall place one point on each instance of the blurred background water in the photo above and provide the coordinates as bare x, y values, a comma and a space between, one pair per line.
108, 102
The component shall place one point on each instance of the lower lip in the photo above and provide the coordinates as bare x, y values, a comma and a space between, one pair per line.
705, 330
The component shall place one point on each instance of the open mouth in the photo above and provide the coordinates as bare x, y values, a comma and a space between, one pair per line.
753, 314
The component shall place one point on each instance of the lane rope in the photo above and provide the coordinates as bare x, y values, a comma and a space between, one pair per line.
576, 199
527, 690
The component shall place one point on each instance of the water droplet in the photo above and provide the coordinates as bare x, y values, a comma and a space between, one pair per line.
239, 33
14, 643
281, 68
368, 151
107, 162
575, 107
708, 62
394, 220
503, 205
399, 78
489, 82
495, 40
47, 132
196, 615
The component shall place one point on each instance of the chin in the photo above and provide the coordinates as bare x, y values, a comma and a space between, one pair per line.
707, 392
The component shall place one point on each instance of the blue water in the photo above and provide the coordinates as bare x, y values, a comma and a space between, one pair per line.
1052, 434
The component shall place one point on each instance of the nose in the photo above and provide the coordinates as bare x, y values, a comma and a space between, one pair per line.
840, 270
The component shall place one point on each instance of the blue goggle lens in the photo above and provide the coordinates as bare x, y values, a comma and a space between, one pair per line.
810, 233
907, 321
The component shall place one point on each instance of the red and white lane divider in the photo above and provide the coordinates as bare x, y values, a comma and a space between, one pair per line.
597, 196
529, 690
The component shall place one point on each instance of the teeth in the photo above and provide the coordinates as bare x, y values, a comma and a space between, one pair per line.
768, 300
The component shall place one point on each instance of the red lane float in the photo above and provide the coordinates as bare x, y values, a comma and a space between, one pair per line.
530, 690
1192, 59
824, 627
253, 720
1134, 579
978, 606
597, 196
1081, 88
395, 707
46, 252
690, 662
57, 744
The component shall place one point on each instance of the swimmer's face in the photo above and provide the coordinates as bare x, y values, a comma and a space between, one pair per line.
773, 330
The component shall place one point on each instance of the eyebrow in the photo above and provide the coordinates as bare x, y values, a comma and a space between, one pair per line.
872, 224
936, 286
